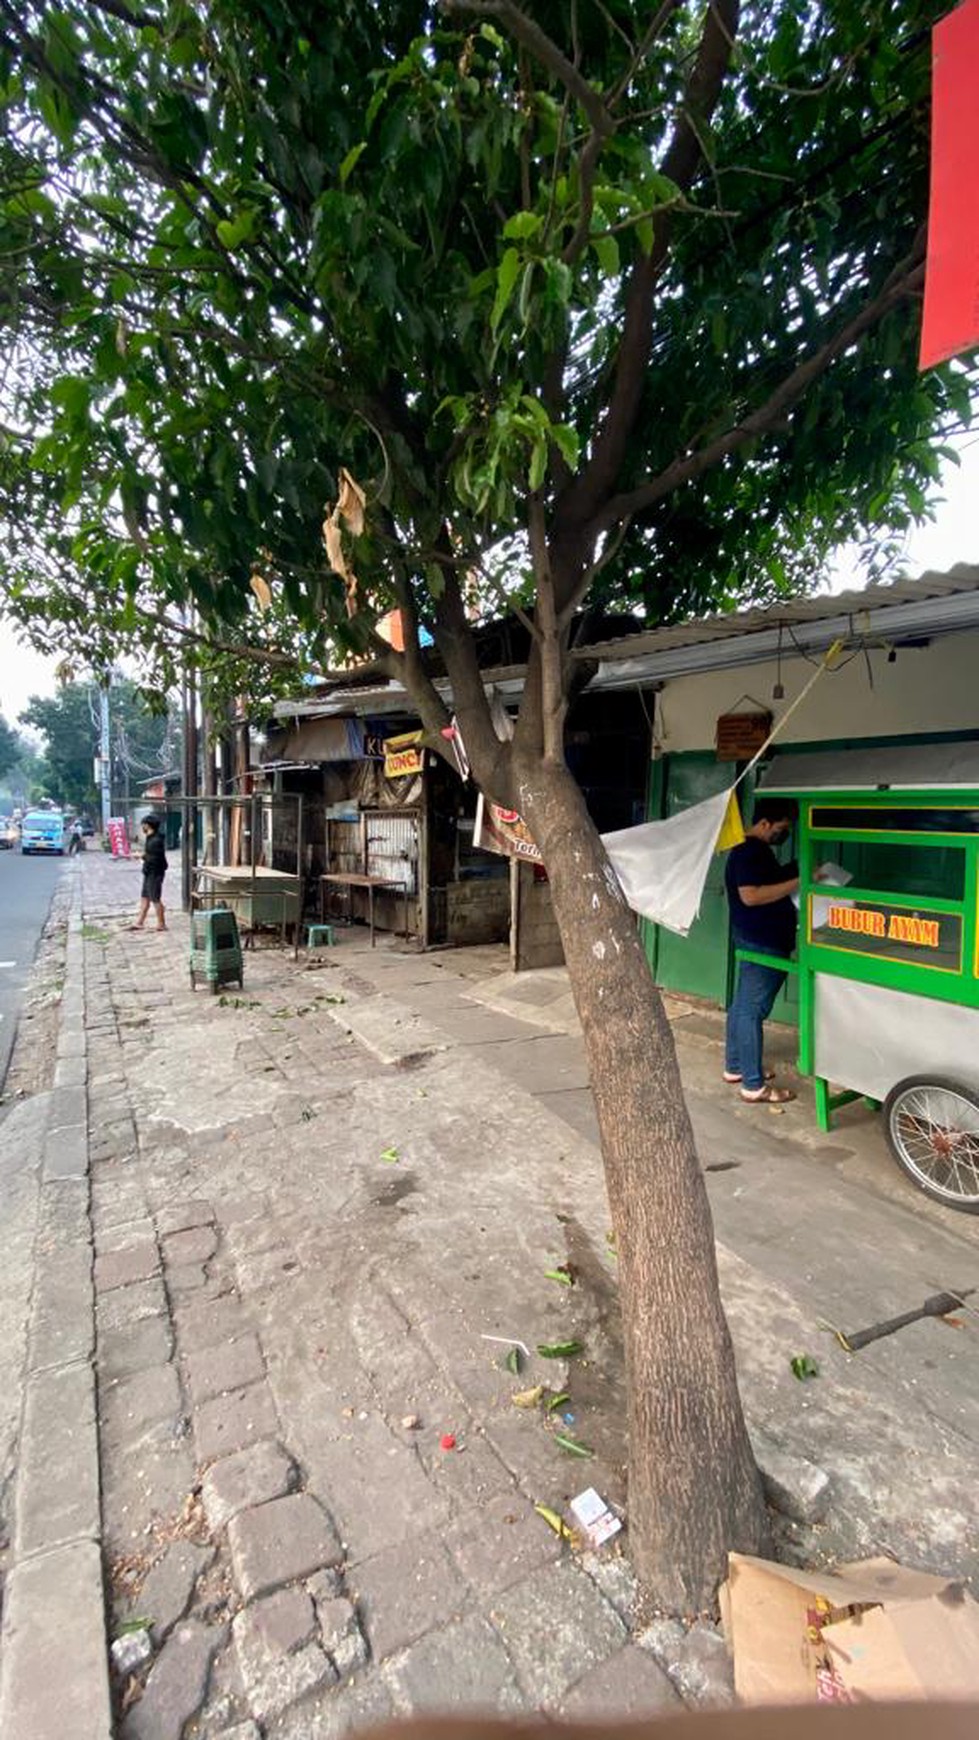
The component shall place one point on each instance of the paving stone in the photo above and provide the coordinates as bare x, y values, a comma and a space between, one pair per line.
66, 1154
615, 1578
145, 1481
340, 1634
556, 1628
120, 1268
228, 1366
54, 1645
177, 1683
195, 1244
629, 1683
132, 1347
705, 1675
122, 1235
129, 1305
277, 1542
70, 1072
250, 1477
61, 1324
279, 1661
227, 1423
128, 1407
240, 1731
404, 1592
185, 1281
283, 1622
332, 1715
58, 1476
63, 1212
166, 1592
500, 1543
178, 1216
210, 1321
456, 1667
794, 1486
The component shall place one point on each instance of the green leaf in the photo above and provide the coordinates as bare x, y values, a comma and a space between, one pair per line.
350, 162
560, 1349
566, 441
558, 1401
572, 1445
562, 1275
506, 278
514, 1361
538, 463
231, 232
606, 250
522, 225
803, 1366
390, 1156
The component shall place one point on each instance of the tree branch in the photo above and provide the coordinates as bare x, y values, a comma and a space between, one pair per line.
902, 282
586, 494
545, 50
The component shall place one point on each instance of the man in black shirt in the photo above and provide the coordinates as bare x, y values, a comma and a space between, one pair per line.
763, 919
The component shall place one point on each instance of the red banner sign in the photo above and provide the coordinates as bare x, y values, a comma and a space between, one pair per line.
951, 316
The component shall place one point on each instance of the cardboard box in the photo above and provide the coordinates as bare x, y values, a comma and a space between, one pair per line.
869, 1631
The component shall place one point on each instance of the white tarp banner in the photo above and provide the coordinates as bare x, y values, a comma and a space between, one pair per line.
663, 866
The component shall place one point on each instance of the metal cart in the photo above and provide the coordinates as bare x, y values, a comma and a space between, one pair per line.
888, 964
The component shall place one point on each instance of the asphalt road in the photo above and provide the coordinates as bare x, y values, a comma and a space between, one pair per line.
26, 888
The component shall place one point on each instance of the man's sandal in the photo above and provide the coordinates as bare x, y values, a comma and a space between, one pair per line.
733, 1079
767, 1096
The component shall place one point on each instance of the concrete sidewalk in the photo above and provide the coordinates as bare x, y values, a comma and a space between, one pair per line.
312, 1204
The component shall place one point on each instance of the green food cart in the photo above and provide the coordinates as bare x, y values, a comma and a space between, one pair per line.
888, 955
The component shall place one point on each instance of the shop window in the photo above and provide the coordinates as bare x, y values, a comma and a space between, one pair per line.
896, 821
887, 867
887, 932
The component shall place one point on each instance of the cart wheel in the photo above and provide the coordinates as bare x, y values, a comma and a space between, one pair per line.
932, 1128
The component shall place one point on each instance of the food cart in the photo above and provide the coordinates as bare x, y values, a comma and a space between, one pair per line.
888, 956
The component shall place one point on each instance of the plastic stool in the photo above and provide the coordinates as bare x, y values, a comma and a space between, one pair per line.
317, 934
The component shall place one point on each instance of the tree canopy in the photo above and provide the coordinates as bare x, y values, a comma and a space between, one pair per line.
142, 742
656, 271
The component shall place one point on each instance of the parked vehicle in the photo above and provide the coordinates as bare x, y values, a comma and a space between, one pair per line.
9, 835
43, 831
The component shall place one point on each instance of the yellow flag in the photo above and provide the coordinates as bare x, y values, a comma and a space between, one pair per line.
732, 827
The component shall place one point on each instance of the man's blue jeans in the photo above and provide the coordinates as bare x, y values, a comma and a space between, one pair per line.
757, 990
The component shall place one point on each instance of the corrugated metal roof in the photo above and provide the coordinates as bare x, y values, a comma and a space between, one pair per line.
700, 630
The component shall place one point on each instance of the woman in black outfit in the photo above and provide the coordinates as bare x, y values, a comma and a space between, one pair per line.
154, 870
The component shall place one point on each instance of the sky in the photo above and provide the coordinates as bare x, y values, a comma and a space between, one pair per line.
952, 537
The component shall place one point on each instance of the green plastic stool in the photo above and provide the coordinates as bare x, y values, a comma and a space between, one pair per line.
317, 934
215, 948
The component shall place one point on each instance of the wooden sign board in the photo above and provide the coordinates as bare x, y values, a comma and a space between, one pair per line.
739, 736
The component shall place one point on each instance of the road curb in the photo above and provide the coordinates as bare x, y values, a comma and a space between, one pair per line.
54, 1650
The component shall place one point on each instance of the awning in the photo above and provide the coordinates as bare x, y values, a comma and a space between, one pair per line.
905, 767
311, 741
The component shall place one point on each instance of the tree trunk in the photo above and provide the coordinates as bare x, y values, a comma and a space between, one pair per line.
694, 1489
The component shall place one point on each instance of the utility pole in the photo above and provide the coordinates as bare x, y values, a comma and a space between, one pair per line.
188, 838
105, 758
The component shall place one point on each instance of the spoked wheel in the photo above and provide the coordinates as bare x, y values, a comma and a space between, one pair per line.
932, 1127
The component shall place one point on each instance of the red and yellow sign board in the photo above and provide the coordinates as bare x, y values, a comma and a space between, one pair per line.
892, 926
951, 315
403, 754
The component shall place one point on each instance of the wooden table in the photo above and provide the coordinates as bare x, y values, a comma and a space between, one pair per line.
351, 879
255, 894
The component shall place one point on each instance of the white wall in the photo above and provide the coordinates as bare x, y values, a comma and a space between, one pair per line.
933, 688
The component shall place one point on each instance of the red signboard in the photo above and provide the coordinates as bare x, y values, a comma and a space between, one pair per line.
951, 315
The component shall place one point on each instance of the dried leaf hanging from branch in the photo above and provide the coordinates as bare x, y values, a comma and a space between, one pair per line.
349, 508
261, 589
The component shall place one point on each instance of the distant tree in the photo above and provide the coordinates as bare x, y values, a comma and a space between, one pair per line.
143, 738
10, 747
